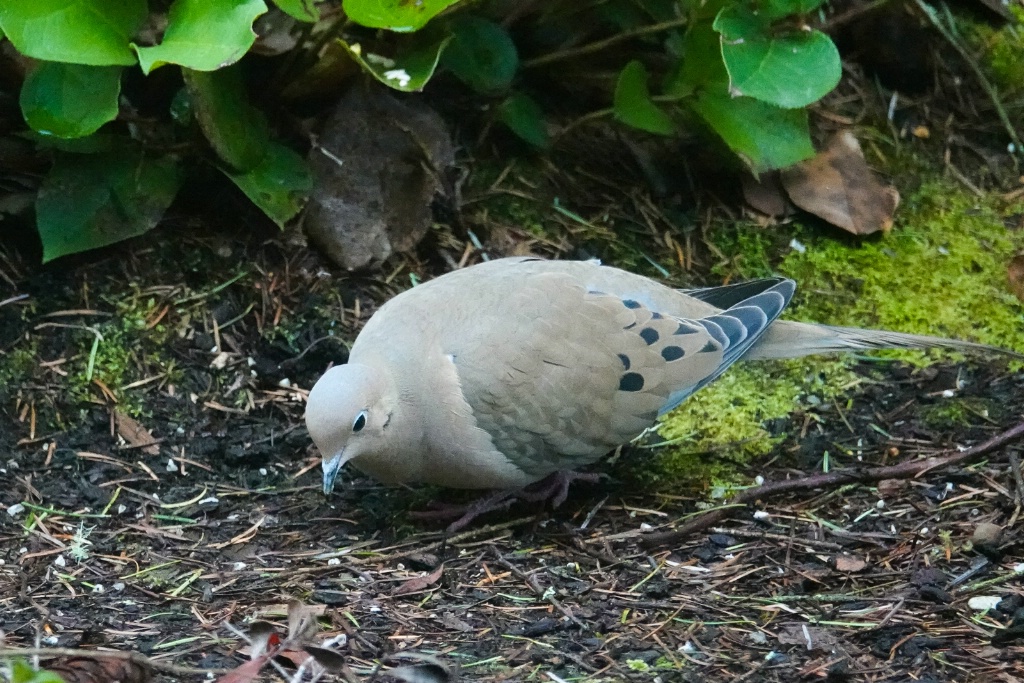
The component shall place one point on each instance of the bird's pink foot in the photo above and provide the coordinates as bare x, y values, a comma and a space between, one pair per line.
554, 487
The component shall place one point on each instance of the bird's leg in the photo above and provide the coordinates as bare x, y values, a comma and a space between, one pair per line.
466, 513
555, 486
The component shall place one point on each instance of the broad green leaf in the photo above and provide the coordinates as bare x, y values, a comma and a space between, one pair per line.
633, 105
524, 117
481, 55
279, 185
70, 100
236, 131
403, 16
204, 35
92, 200
411, 68
764, 136
94, 32
790, 69
303, 10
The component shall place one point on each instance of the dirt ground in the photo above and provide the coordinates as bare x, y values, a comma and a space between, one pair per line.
157, 547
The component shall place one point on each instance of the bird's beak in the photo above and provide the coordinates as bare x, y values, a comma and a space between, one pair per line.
331, 468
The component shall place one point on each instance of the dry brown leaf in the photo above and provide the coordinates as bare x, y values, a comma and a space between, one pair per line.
1015, 273
132, 431
838, 186
420, 582
98, 670
766, 195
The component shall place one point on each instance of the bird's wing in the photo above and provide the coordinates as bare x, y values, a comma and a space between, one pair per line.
561, 373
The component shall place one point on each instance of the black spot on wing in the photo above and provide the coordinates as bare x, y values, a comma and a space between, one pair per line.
685, 329
631, 303
649, 335
656, 316
711, 347
671, 353
737, 329
625, 361
629, 326
631, 381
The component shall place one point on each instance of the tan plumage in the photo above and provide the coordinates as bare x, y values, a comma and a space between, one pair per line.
499, 374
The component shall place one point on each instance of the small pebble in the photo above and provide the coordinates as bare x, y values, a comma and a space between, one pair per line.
983, 603
987, 534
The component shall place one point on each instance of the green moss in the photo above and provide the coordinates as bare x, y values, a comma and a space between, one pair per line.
119, 351
941, 271
954, 413
724, 425
1002, 52
18, 365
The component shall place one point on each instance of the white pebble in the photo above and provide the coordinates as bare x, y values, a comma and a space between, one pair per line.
15, 509
983, 603
797, 246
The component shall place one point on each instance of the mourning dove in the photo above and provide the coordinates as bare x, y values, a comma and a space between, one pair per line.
499, 374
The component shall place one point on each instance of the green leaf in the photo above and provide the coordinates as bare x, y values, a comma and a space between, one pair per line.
303, 10
764, 136
70, 100
481, 55
403, 16
92, 200
204, 35
280, 185
237, 132
524, 117
791, 69
633, 105
21, 672
95, 32
411, 68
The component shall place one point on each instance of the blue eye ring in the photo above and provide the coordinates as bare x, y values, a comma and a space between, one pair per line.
359, 422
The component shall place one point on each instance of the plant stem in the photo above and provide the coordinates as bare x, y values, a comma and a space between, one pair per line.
568, 53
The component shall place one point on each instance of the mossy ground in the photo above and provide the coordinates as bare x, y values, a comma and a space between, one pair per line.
940, 271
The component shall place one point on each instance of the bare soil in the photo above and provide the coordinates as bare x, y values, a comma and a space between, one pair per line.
156, 548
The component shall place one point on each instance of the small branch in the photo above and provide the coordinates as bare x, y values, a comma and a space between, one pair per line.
571, 52
904, 470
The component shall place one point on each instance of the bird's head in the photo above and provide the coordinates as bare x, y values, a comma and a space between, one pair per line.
346, 414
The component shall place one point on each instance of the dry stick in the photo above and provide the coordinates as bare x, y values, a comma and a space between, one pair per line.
904, 470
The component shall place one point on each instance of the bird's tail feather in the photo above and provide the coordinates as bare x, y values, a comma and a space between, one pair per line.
788, 339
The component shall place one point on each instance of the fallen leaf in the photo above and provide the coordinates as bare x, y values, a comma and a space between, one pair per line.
420, 582
132, 431
1015, 273
838, 186
766, 195
98, 670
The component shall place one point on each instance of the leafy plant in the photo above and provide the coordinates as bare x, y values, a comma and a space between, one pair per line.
741, 69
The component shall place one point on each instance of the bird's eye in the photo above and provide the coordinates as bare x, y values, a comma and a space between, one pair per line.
360, 422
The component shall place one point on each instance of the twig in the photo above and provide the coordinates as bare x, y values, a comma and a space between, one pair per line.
904, 470
535, 587
599, 45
